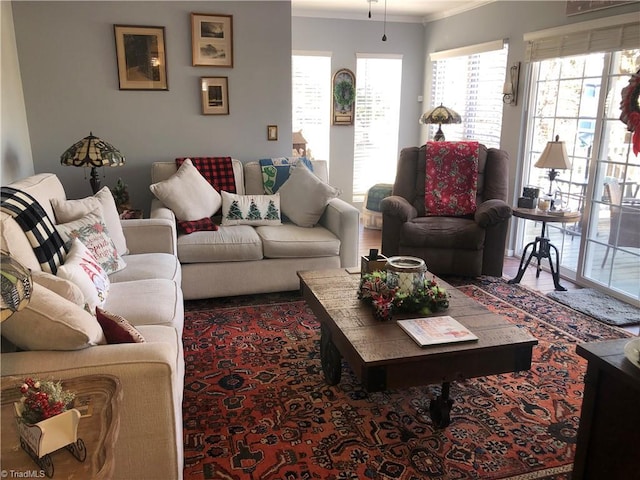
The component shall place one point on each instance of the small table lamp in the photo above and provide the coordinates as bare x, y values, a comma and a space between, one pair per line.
92, 152
15, 287
554, 157
440, 115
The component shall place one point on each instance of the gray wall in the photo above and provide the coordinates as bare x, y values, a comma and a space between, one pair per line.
15, 147
344, 39
69, 74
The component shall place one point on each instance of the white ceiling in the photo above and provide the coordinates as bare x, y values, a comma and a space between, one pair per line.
417, 11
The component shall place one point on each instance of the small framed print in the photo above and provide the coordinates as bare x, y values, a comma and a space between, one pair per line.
140, 52
272, 132
215, 95
212, 40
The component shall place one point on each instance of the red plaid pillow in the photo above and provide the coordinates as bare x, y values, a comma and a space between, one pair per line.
451, 180
204, 224
218, 171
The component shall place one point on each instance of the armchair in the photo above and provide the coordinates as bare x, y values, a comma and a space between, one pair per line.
468, 245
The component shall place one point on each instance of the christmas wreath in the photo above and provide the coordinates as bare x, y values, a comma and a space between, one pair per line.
344, 94
630, 106
385, 300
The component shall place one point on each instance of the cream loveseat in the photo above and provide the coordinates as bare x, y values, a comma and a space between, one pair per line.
147, 293
243, 259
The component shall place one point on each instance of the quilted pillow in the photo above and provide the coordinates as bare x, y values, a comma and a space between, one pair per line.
276, 171
82, 268
188, 194
51, 322
69, 210
250, 209
451, 178
116, 329
92, 231
304, 196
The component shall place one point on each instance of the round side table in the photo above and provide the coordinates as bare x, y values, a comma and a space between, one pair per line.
541, 247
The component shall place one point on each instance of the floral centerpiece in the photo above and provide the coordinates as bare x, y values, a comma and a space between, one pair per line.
427, 299
43, 399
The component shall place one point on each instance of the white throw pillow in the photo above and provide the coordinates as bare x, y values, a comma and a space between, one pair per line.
69, 210
82, 268
188, 194
61, 286
51, 322
92, 231
303, 197
250, 209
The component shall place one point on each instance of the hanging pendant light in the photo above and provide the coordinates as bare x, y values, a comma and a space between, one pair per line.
384, 28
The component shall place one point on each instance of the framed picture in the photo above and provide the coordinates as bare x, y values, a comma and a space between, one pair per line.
272, 132
344, 97
141, 55
212, 40
215, 95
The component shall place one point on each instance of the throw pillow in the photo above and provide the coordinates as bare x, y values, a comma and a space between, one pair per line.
63, 287
276, 171
218, 171
51, 322
69, 210
204, 224
92, 231
304, 196
188, 194
82, 268
116, 329
451, 178
250, 209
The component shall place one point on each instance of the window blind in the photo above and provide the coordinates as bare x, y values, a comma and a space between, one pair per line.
604, 35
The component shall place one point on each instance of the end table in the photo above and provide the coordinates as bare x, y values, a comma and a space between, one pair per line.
541, 247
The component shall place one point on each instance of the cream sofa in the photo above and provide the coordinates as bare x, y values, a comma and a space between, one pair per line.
147, 293
242, 259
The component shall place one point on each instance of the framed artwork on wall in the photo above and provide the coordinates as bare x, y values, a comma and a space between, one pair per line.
272, 133
344, 97
141, 56
212, 40
215, 95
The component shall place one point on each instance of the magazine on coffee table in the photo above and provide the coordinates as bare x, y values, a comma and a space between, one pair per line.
436, 330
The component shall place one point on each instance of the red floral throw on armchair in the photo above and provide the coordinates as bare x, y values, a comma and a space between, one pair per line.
451, 180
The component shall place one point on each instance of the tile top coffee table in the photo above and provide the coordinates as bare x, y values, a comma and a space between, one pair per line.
384, 357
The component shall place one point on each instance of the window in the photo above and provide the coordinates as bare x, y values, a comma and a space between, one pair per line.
577, 74
469, 80
377, 122
311, 101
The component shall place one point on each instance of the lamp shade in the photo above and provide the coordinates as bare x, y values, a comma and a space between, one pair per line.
554, 156
440, 115
15, 286
92, 151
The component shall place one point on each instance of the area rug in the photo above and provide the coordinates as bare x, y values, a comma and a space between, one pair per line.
256, 405
600, 306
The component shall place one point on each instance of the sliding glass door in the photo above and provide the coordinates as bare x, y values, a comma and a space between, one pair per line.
578, 98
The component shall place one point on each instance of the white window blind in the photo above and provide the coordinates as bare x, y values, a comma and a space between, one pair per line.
604, 35
311, 100
377, 122
471, 84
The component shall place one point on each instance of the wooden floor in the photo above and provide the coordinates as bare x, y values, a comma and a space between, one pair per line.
370, 238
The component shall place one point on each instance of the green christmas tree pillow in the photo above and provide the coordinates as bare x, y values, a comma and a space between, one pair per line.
250, 209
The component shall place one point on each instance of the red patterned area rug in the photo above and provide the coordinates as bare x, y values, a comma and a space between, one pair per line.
256, 405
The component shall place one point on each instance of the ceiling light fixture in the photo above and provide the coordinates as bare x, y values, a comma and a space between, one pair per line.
384, 28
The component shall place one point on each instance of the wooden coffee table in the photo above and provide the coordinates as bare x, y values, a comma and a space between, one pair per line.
384, 357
